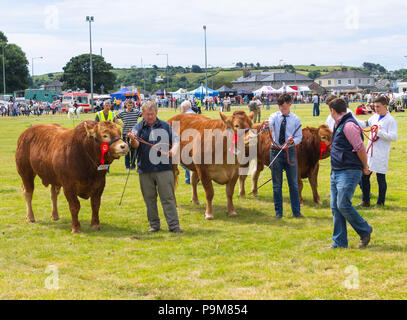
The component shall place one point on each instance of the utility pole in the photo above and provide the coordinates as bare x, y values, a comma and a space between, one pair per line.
32, 67
4, 71
90, 19
166, 69
206, 71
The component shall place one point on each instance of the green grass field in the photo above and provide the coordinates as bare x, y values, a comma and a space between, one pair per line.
251, 256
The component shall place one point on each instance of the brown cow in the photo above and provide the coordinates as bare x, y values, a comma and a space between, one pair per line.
219, 171
308, 156
69, 159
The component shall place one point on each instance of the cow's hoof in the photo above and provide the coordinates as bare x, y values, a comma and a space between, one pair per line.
208, 217
196, 202
318, 202
55, 218
301, 204
96, 227
76, 231
28, 219
232, 214
242, 196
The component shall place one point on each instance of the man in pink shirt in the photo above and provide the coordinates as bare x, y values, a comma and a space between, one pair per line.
348, 161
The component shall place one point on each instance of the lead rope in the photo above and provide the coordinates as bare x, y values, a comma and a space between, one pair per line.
373, 130
148, 144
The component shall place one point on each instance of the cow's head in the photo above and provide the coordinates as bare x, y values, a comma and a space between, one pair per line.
241, 123
107, 132
325, 134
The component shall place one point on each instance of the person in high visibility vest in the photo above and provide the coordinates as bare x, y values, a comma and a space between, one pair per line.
105, 114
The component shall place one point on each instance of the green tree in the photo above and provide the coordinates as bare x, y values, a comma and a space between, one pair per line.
372, 67
314, 74
289, 68
77, 73
196, 69
16, 66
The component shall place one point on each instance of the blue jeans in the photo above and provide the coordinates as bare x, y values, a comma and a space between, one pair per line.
343, 185
187, 175
315, 111
277, 168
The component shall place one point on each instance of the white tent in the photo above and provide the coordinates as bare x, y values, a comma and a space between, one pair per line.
179, 92
286, 89
265, 90
304, 89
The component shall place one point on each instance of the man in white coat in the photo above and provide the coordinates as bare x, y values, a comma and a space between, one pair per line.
378, 150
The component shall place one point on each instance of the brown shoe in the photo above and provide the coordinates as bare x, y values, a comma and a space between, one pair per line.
364, 204
154, 230
365, 240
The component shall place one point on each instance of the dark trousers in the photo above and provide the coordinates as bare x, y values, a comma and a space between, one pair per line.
130, 157
381, 180
315, 111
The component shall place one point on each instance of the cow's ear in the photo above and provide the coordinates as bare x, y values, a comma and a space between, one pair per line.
251, 115
90, 131
225, 119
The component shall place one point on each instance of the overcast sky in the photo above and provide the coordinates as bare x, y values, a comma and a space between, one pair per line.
265, 31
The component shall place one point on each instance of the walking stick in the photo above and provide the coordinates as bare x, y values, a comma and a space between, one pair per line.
127, 179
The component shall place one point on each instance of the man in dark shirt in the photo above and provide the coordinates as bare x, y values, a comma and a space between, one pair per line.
348, 161
154, 166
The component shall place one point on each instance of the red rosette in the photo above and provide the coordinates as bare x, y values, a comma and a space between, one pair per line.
104, 148
323, 147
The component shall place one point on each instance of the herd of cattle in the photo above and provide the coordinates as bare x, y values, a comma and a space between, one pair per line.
70, 159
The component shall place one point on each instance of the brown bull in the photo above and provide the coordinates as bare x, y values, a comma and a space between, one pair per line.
69, 159
308, 156
218, 169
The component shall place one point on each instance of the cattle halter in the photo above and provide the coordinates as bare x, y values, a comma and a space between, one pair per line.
104, 148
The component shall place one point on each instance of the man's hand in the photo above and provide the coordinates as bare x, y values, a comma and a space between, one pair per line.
290, 141
133, 141
366, 171
130, 135
265, 124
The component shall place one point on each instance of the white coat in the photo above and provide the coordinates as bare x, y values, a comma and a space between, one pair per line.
378, 162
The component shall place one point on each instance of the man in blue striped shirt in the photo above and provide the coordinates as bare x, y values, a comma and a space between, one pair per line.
129, 118
284, 124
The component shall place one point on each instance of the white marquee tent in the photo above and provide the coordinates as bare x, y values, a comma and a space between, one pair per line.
265, 90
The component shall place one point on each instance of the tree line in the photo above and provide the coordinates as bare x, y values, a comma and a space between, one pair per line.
76, 73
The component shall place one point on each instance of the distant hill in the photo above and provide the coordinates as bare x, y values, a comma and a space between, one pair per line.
183, 77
